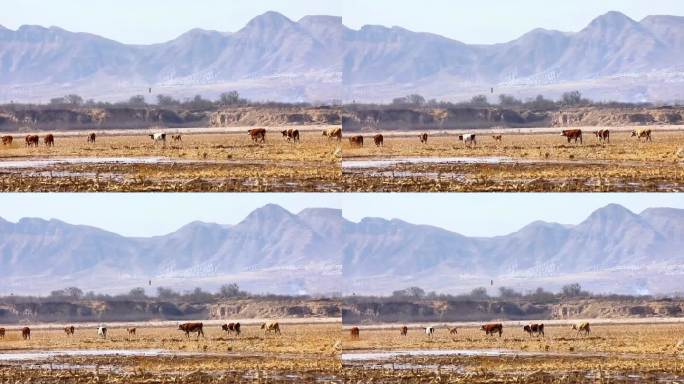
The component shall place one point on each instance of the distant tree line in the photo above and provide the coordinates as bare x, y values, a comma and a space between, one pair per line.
539, 295
195, 296
539, 103
196, 103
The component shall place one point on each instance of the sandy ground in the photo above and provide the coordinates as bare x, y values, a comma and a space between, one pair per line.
613, 353
200, 162
526, 162
305, 351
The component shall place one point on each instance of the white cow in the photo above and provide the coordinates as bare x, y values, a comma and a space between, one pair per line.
468, 139
429, 331
102, 331
158, 137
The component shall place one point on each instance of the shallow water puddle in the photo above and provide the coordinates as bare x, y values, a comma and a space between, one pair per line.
389, 355
37, 163
380, 163
42, 355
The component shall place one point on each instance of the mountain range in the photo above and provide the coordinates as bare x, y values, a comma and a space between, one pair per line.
613, 250
271, 250
318, 58
319, 251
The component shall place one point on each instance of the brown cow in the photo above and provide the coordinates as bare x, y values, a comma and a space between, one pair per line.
231, 327
379, 140
404, 330
582, 327
131, 331
356, 141
271, 327
497, 138
32, 140
258, 135
2, 333
333, 132
641, 134
537, 329
354, 332
603, 135
177, 137
7, 140
572, 134
91, 138
491, 329
423, 137
26, 333
49, 140
69, 330
192, 327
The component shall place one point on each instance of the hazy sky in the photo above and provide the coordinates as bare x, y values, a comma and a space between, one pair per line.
469, 214
481, 21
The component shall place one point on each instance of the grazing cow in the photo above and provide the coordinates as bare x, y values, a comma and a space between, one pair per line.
582, 327
404, 330
291, 135
572, 134
468, 139
131, 331
91, 138
258, 135
497, 138
7, 140
429, 331
379, 140
423, 137
2, 333
642, 134
493, 328
177, 137
356, 141
231, 327
69, 330
49, 140
333, 133
603, 135
532, 329
354, 333
157, 137
191, 328
32, 140
102, 331
453, 331
26, 333
271, 327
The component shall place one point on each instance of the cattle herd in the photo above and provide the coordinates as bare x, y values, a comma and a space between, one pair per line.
258, 135
490, 329
187, 328
470, 139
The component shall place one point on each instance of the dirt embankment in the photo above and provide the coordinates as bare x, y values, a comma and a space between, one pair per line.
253, 116
612, 117
388, 119
101, 118
469, 310
121, 310
274, 309
48, 118
439, 118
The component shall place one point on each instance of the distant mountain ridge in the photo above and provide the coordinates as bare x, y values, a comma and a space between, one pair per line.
614, 57
319, 251
613, 250
317, 58
271, 51
255, 251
